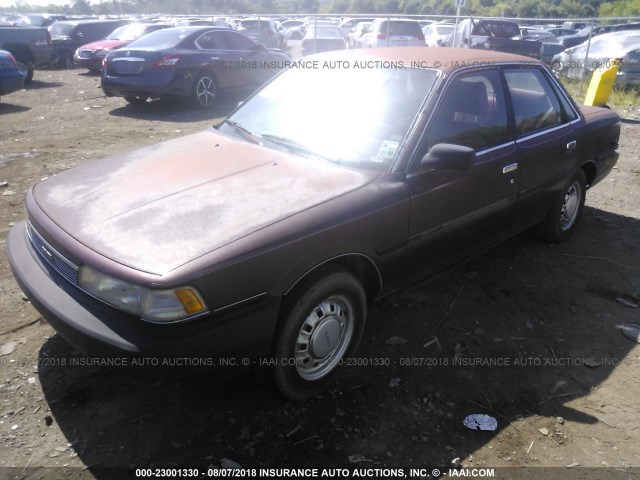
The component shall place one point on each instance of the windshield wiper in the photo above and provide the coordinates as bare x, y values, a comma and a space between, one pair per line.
295, 146
244, 132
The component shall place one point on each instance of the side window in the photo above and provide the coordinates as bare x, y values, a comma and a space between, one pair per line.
236, 41
535, 103
472, 113
209, 41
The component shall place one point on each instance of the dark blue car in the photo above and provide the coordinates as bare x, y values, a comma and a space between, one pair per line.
11, 76
193, 62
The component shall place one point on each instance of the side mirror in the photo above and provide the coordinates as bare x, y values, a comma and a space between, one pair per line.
447, 156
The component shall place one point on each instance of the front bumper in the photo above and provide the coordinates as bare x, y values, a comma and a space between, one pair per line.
99, 330
93, 63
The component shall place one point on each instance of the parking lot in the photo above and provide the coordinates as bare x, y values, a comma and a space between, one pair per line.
527, 333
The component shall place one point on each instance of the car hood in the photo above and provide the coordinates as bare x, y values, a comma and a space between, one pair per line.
102, 44
162, 206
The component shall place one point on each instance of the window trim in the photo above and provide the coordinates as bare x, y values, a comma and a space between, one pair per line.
556, 89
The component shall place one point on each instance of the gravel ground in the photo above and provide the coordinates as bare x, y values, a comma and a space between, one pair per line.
527, 333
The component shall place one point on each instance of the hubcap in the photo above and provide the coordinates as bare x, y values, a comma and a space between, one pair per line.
205, 91
570, 207
324, 337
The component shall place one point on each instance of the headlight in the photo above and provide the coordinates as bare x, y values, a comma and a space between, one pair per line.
103, 52
157, 306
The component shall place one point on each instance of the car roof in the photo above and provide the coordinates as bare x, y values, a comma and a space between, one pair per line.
87, 22
446, 60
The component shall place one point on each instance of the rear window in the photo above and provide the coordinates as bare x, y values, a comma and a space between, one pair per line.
397, 27
167, 38
255, 24
497, 29
61, 29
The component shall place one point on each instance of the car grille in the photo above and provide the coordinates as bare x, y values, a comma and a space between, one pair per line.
86, 53
64, 267
127, 66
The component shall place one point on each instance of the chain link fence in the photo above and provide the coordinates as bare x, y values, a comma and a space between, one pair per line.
573, 48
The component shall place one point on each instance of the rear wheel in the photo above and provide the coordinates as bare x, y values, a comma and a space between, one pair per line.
204, 91
563, 218
321, 329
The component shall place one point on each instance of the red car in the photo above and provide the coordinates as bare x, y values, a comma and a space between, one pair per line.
92, 54
266, 240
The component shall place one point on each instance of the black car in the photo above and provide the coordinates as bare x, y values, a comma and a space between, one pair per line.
68, 35
194, 62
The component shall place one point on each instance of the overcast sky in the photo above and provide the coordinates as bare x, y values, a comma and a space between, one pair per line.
9, 3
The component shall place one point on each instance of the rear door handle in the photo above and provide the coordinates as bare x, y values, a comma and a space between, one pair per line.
571, 146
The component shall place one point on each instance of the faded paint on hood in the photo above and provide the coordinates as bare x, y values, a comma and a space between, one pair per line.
159, 207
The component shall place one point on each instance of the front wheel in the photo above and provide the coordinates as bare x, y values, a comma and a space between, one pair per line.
204, 91
321, 329
563, 218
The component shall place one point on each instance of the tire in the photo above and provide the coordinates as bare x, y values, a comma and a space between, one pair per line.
66, 60
136, 99
562, 220
204, 91
25, 64
323, 326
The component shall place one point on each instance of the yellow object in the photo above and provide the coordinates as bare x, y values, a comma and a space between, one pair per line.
601, 84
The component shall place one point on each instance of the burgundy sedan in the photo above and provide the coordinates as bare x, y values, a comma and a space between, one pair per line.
271, 235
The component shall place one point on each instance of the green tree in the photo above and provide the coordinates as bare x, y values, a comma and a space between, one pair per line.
620, 8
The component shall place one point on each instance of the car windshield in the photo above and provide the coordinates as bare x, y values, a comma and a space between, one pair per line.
61, 29
162, 39
302, 111
128, 32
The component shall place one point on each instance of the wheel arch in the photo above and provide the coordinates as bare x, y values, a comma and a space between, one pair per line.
590, 171
358, 264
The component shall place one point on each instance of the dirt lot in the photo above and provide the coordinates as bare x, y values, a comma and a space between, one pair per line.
527, 333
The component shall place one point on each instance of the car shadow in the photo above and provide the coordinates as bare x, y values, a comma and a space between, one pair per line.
6, 108
519, 333
39, 84
179, 109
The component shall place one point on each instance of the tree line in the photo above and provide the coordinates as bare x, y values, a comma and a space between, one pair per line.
495, 8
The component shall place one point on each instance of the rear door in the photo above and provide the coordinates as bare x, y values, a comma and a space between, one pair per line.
546, 138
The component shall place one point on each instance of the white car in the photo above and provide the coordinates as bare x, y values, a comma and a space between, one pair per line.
357, 34
349, 24
436, 34
394, 33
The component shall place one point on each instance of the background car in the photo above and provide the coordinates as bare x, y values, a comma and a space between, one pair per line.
602, 50
349, 24
436, 34
92, 54
68, 35
393, 33
262, 31
40, 19
355, 35
551, 46
193, 62
11, 76
322, 39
